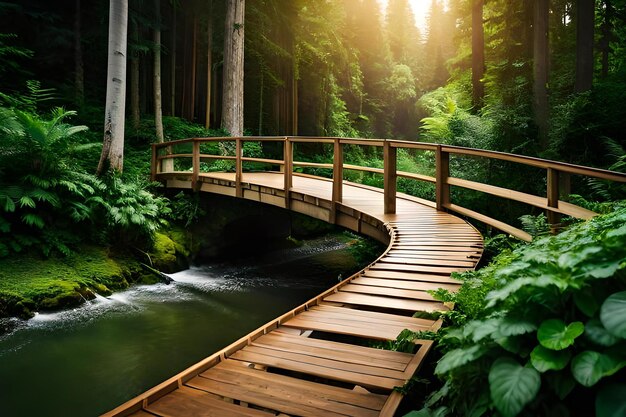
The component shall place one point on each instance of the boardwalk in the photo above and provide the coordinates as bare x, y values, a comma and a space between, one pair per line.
314, 360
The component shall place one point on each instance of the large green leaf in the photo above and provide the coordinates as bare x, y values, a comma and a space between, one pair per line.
589, 367
613, 314
512, 386
554, 334
597, 333
611, 401
459, 357
561, 383
514, 327
549, 360
586, 302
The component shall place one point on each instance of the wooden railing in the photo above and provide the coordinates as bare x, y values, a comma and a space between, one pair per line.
551, 203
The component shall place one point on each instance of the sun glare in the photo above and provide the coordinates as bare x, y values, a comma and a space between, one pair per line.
421, 8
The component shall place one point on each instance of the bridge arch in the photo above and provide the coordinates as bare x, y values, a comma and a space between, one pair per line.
425, 245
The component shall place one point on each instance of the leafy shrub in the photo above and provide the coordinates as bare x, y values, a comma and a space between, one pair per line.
127, 212
541, 330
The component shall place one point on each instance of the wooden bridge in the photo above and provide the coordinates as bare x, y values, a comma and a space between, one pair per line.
314, 360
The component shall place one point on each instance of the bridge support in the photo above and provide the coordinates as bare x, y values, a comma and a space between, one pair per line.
442, 165
288, 170
337, 179
390, 177
553, 198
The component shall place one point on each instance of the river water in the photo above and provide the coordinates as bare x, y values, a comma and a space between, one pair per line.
85, 361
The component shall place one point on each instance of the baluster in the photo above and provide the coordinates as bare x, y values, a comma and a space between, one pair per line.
442, 188
390, 177
552, 193
288, 170
238, 167
195, 179
337, 196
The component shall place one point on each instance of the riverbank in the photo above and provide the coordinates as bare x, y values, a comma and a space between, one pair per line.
224, 229
30, 283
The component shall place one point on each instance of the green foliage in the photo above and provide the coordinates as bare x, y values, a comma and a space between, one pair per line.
542, 320
186, 209
129, 213
49, 202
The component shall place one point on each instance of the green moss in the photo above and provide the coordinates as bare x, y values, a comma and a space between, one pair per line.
169, 252
29, 283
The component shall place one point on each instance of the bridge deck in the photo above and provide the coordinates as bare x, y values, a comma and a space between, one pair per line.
314, 360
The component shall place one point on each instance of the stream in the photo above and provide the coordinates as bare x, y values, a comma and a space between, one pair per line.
86, 361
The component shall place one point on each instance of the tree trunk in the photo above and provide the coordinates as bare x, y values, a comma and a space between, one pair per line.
232, 106
156, 83
607, 34
173, 63
540, 69
209, 66
478, 54
585, 21
113, 143
79, 71
194, 63
135, 113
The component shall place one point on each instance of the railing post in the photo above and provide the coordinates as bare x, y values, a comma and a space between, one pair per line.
195, 184
154, 164
442, 166
552, 193
390, 177
288, 170
238, 167
337, 196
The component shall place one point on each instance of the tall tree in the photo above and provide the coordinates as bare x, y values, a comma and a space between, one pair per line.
232, 105
79, 72
478, 54
401, 30
135, 110
585, 22
607, 35
156, 82
541, 55
209, 65
112, 156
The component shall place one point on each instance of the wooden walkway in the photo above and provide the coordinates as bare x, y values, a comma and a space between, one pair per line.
313, 361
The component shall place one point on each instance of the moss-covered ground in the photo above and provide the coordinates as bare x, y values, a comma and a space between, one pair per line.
29, 282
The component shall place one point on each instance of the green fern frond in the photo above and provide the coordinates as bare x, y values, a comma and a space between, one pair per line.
26, 201
32, 219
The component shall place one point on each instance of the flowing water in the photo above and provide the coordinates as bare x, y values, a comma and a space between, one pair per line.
85, 361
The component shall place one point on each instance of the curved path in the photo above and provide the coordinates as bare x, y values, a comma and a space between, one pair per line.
313, 361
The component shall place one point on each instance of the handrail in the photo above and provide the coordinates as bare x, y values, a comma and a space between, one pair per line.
442, 180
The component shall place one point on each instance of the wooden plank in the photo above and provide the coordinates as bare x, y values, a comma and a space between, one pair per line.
141, 413
323, 368
374, 317
286, 394
389, 292
380, 266
361, 324
389, 357
411, 276
334, 350
385, 302
408, 285
185, 402
427, 261
434, 247
365, 399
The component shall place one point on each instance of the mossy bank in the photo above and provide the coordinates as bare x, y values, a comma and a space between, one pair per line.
224, 228
30, 283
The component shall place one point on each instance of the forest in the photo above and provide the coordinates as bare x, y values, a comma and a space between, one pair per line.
540, 78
